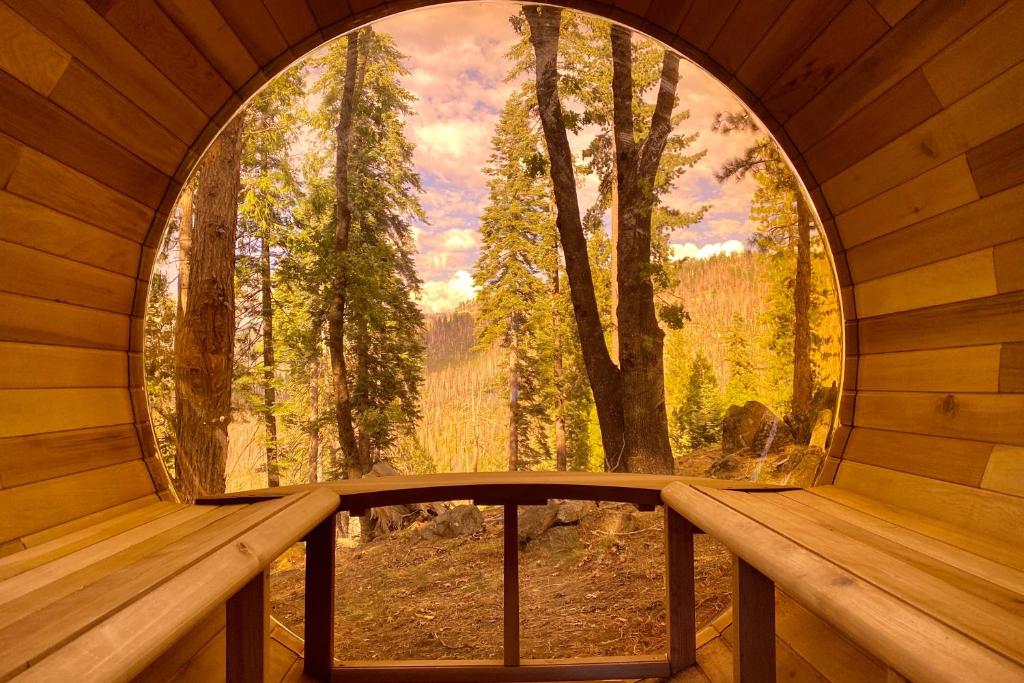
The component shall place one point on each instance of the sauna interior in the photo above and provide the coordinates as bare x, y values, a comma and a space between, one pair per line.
904, 120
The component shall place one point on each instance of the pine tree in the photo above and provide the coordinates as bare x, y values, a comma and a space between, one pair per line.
699, 418
265, 213
742, 385
373, 321
513, 272
785, 219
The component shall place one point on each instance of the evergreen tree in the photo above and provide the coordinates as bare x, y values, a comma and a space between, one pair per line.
742, 385
785, 220
699, 418
372, 318
516, 260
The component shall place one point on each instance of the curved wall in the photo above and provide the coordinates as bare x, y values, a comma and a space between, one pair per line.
903, 117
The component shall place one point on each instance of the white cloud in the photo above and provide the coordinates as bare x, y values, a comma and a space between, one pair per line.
690, 250
439, 296
459, 239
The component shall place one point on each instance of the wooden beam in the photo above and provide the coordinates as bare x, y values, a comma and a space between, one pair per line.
248, 631
753, 609
493, 671
680, 605
510, 604
319, 628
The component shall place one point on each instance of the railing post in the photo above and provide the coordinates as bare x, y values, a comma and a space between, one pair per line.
319, 629
679, 591
511, 585
248, 631
753, 618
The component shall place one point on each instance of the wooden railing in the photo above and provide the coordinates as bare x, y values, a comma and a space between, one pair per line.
509, 490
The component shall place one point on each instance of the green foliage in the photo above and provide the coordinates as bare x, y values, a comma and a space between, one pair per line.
697, 423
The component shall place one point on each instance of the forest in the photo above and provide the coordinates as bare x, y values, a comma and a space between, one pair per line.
287, 340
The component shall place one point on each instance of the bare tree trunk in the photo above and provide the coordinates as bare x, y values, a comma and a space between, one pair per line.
557, 369
314, 408
269, 393
802, 381
342, 231
605, 382
362, 354
641, 339
613, 283
205, 325
513, 400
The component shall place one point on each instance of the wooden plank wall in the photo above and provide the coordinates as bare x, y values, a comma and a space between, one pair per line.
905, 119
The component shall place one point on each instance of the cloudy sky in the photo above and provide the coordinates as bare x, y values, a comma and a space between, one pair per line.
457, 70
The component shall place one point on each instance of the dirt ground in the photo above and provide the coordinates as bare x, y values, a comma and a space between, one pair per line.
584, 592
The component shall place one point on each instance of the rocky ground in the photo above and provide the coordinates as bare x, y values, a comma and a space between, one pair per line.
591, 587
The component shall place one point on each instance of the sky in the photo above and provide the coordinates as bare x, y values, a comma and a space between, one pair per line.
457, 68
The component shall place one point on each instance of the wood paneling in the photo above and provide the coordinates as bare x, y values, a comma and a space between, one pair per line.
34, 273
1011, 368
915, 39
39, 506
982, 321
954, 460
993, 220
999, 164
25, 319
896, 111
48, 182
971, 276
28, 55
987, 112
985, 51
27, 459
1005, 471
35, 411
976, 511
913, 201
845, 39
37, 366
33, 225
971, 368
985, 417
79, 30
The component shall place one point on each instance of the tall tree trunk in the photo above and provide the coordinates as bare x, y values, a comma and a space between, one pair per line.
605, 382
205, 325
613, 282
641, 339
557, 371
269, 393
802, 381
185, 220
362, 373
314, 410
342, 231
513, 400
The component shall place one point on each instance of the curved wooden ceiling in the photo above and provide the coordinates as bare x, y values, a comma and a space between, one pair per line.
905, 119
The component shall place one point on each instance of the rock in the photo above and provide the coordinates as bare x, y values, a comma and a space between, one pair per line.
820, 430
754, 426
609, 521
534, 520
572, 511
461, 520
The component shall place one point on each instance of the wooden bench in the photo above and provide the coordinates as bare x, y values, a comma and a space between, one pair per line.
105, 602
929, 603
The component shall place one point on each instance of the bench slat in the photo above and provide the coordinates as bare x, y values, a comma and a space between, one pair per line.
910, 641
147, 626
981, 567
995, 619
40, 633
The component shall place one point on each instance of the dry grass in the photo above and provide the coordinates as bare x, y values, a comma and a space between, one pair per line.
583, 593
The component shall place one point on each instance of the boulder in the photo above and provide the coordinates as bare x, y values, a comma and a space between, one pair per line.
609, 522
461, 520
753, 425
534, 520
572, 511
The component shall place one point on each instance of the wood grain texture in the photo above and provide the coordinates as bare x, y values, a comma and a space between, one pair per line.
28, 55
955, 460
